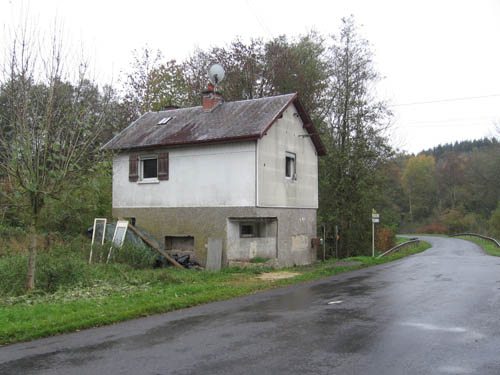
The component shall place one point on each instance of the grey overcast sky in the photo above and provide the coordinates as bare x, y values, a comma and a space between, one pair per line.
440, 58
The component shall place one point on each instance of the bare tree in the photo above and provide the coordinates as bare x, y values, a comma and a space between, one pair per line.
49, 125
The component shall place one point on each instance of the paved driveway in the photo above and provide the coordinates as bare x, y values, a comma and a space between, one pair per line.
437, 312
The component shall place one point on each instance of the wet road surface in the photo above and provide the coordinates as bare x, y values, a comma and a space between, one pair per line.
437, 312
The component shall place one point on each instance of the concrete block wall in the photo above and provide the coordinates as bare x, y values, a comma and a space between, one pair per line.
296, 228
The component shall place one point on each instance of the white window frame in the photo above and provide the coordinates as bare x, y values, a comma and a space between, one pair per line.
293, 169
141, 169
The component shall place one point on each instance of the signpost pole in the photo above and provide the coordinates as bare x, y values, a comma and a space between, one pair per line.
375, 219
373, 239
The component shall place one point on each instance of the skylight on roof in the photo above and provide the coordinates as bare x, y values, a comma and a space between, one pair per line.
164, 120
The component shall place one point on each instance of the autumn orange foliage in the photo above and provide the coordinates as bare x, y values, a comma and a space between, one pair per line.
384, 239
433, 229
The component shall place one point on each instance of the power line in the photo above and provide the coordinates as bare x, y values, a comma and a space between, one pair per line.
262, 24
470, 120
447, 100
430, 125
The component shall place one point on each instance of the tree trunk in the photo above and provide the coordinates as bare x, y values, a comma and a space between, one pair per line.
411, 209
30, 276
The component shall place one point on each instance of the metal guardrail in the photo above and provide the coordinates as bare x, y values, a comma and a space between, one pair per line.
400, 246
477, 235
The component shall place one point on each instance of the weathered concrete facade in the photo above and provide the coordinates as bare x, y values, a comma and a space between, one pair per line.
259, 195
274, 189
203, 176
295, 228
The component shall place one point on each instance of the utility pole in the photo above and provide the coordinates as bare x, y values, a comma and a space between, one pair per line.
373, 239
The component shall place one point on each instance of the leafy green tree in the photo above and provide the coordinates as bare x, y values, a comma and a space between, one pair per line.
152, 84
257, 69
168, 86
420, 187
450, 177
494, 222
482, 181
76, 207
299, 65
454, 221
353, 133
243, 65
391, 199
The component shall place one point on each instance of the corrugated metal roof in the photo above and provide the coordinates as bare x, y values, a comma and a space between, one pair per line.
231, 121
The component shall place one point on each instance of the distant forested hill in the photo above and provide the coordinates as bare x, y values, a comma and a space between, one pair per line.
447, 189
462, 146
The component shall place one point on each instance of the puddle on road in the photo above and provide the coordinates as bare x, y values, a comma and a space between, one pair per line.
454, 370
432, 327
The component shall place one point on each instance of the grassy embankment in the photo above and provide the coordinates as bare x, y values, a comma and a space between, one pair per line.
119, 292
488, 246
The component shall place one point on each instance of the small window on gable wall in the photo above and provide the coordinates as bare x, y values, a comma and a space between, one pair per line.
290, 166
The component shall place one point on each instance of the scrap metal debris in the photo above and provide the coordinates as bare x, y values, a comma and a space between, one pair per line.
186, 262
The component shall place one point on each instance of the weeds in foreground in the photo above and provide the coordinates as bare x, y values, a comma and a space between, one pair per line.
119, 292
259, 260
65, 266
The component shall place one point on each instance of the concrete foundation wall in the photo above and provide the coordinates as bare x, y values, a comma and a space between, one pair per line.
295, 228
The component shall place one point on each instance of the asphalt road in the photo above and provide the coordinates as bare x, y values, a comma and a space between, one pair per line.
437, 312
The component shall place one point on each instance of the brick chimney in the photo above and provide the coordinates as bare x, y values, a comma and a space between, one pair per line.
210, 98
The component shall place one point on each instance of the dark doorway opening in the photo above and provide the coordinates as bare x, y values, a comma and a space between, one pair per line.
181, 243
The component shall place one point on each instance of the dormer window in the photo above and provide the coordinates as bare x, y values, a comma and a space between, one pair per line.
290, 166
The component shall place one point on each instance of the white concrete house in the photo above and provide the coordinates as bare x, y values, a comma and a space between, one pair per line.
244, 171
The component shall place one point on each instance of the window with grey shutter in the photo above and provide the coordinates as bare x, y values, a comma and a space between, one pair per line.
133, 168
163, 166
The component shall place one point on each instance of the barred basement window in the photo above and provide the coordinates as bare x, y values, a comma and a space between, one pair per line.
249, 229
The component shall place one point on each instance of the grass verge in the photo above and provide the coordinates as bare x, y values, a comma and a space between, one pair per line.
488, 246
35, 315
